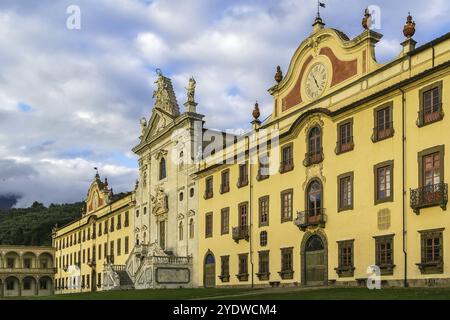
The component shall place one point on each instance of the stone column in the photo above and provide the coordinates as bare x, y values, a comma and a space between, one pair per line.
20, 286
36, 288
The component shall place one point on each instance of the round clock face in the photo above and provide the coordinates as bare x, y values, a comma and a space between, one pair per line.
316, 81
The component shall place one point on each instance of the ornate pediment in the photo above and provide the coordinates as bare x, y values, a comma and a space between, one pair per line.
161, 153
323, 63
180, 216
99, 195
191, 213
164, 96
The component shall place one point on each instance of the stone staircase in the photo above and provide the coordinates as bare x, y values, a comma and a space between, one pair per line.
125, 281
149, 267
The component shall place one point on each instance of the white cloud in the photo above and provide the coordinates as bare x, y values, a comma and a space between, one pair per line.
89, 88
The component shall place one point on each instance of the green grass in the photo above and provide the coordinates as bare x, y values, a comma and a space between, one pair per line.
248, 294
355, 294
161, 294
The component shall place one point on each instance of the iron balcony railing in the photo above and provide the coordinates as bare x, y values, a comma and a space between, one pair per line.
429, 196
242, 181
309, 218
286, 165
313, 157
240, 233
383, 132
345, 145
431, 115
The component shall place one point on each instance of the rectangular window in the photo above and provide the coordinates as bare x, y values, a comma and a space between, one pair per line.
106, 226
263, 265
99, 279
89, 233
112, 224
208, 188
384, 127
225, 221
209, 225
119, 247
99, 251
225, 268
431, 165
431, 252
263, 168
286, 205
127, 245
243, 175
264, 211
287, 158
345, 190
225, 183
384, 178
84, 256
119, 222
127, 219
243, 214
430, 109
243, 267
105, 249
345, 259
384, 254
287, 268
345, 137
432, 190
100, 229
111, 249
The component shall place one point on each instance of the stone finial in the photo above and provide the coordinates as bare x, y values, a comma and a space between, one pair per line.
106, 183
366, 21
278, 75
256, 113
318, 24
410, 27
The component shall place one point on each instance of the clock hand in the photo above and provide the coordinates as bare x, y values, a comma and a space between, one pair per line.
315, 81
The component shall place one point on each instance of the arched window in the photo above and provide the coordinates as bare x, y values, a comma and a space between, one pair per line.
314, 146
191, 228
191, 192
314, 199
162, 169
180, 231
181, 196
145, 211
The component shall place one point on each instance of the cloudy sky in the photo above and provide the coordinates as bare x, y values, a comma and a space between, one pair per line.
71, 100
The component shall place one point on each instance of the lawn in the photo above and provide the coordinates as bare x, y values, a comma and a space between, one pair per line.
248, 294
354, 294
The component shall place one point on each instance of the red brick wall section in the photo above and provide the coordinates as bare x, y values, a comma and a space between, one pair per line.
295, 97
342, 70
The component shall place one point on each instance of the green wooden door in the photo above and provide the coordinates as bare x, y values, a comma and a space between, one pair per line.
210, 272
315, 267
315, 261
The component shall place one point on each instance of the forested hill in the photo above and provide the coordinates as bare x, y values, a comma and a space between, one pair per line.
33, 226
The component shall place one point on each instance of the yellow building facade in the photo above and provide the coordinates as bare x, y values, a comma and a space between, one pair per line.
91, 250
355, 186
